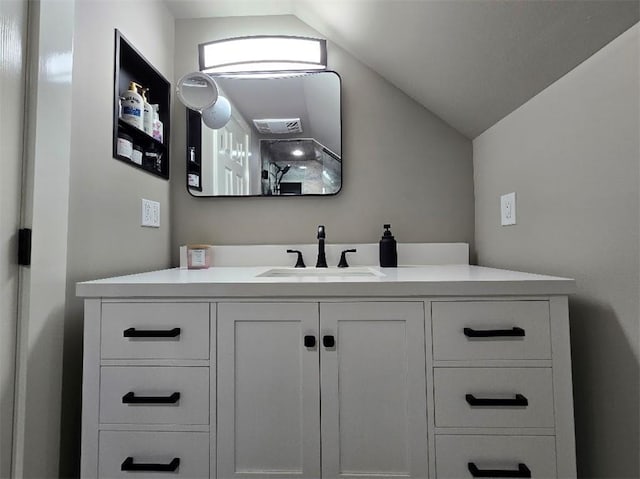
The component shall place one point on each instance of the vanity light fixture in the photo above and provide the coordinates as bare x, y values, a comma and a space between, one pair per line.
297, 152
263, 53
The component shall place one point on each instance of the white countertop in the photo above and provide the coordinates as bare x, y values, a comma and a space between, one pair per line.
404, 281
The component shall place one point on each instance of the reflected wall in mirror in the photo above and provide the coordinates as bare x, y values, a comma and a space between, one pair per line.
284, 138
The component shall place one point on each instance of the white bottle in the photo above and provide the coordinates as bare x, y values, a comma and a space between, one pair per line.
158, 127
133, 106
148, 113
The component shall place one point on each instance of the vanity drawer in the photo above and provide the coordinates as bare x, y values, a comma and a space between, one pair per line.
456, 456
493, 397
149, 449
155, 331
147, 395
491, 330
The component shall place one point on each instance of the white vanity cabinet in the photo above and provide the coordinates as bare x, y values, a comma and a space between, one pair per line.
148, 389
268, 391
331, 387
336, 384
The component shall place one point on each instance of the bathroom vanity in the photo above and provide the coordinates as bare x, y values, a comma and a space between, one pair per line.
441, 371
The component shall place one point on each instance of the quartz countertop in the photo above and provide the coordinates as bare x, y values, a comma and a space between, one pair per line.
404, 281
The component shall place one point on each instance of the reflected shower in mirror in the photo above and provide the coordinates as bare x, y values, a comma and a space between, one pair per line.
283, 138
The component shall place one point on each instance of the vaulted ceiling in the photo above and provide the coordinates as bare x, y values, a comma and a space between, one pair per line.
471, 62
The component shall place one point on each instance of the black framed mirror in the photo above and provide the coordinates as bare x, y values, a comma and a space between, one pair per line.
284, 138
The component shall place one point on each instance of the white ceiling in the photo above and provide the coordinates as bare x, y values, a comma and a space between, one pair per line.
471, 62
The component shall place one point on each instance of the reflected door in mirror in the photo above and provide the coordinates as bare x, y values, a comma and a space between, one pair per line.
230, 175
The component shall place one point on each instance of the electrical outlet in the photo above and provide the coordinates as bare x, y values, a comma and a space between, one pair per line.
508, 209
150, 213
155, 214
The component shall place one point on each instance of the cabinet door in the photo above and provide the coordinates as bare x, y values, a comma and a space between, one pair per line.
373, 390
268, 391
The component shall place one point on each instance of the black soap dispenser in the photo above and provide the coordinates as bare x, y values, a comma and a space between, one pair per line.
388, 249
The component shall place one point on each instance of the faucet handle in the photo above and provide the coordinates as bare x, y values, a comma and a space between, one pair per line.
321, 233
343, 258
300, 261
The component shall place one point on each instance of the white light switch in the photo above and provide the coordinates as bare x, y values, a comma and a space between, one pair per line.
508, 209
150, 213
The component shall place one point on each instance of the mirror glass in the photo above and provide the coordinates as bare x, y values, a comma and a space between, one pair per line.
283, 138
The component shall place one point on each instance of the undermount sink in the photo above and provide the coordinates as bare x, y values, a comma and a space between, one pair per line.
320, 273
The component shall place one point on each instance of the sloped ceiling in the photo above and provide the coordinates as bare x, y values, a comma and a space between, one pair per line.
471, 62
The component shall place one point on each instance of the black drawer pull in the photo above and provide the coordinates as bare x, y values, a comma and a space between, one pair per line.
519, 400
523, 471
309, 341
151, 333
494, 333
328, 341
131, 398
129, 465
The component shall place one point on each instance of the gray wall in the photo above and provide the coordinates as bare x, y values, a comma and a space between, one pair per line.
571, 154
402, 164
105, 237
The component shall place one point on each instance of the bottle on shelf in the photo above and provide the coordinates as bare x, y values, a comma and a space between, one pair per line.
124, 146
152, 159
148, 116
157, 126
133, 106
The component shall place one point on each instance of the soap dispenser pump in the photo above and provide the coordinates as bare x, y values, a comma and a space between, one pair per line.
388, 249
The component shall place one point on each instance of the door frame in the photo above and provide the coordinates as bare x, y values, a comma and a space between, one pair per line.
45, 209
14, 66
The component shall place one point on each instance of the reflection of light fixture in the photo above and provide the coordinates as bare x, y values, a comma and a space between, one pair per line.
302, 167
297, 152
263, 54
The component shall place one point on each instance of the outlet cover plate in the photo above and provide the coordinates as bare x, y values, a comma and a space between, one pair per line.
150, 213
508, 209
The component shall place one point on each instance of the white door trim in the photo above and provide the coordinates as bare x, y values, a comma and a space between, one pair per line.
45, 210
13, 32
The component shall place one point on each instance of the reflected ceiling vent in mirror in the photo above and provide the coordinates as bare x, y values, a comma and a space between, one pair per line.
278, 126
263, 53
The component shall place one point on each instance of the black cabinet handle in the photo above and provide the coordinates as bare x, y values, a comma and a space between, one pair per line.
523, 471
129, 465
519, 400
309, 341
131, 398
151, 333
328, 341
493, 333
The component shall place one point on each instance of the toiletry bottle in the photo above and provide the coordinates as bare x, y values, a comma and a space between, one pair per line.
133, 106
388, 249
157, 124
148, 113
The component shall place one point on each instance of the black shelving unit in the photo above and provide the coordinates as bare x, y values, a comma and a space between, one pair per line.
130, 65
194, 155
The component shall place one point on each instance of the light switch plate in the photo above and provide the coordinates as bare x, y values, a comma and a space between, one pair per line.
150, 213
508, 209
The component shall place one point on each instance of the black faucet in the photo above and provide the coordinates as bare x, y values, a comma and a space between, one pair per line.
343, 258
322, 259
300, 262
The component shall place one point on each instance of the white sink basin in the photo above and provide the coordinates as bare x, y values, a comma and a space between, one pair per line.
320, 273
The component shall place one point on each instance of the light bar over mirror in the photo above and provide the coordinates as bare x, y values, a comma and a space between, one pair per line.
263, 54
